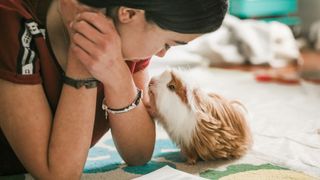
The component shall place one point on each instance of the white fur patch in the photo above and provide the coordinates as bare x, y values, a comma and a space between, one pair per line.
180, 117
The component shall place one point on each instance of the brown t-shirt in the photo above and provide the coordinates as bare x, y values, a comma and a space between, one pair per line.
26, 58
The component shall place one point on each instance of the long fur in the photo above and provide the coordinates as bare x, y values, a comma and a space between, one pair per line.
204, 125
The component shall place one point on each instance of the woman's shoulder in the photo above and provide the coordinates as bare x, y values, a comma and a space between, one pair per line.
19, 8
40, 8
35, 9
18, 51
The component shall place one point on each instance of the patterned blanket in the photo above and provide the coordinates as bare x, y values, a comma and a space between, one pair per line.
105, 163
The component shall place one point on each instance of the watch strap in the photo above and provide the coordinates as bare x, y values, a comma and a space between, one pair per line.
78, 83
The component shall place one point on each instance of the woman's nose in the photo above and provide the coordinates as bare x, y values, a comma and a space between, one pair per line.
162, 53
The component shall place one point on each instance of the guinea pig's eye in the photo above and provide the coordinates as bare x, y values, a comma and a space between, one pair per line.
171, 87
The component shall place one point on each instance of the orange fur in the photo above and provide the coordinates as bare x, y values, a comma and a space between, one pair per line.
180, 89
221, 130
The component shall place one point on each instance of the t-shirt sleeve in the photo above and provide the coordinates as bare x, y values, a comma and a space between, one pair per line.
141, 65
19, 62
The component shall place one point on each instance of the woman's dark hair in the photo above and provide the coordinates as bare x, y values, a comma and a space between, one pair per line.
182, 16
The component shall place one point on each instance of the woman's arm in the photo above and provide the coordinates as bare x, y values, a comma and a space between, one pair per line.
134, 131
50, 146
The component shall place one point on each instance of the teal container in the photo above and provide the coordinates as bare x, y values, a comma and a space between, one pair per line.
262, 8
288, 20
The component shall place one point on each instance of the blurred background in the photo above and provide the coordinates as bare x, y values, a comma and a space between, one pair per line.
308, 11
277, 40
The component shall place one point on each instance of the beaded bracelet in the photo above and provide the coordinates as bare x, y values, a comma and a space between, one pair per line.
131, 106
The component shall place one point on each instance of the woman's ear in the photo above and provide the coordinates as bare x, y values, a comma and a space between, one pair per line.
127, 15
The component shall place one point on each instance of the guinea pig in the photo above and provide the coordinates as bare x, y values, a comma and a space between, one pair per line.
204, 125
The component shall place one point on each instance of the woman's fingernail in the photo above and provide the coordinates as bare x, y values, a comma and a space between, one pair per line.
71, 24
78, 16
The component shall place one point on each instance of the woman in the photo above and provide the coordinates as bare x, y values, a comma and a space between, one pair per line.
92, 53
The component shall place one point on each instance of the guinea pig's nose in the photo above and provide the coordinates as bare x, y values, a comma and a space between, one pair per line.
152, 82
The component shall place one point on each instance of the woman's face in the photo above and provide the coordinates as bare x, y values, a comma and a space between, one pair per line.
141, 39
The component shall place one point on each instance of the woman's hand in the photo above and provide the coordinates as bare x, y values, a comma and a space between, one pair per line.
69, 9
97, 45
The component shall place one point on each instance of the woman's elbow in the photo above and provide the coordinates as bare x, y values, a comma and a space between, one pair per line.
139, 159
72, 174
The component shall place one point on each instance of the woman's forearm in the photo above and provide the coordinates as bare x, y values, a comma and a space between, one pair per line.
133, 131
72, 126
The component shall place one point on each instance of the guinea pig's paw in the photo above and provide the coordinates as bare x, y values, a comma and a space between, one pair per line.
190, 155
191, 161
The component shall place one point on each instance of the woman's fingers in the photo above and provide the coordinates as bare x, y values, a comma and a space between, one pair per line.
91, 41
99, 21
82, 42
87, 30
103, 36
82, 55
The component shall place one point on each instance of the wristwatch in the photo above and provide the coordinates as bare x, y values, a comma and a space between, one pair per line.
78, 83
